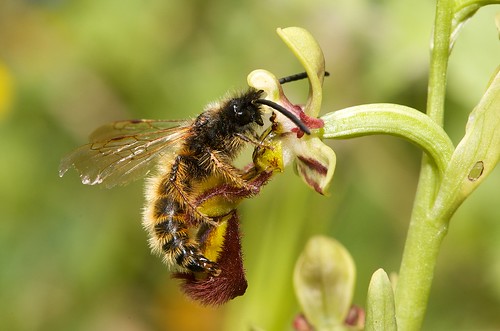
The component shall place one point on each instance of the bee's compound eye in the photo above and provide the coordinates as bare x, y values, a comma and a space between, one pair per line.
242, 114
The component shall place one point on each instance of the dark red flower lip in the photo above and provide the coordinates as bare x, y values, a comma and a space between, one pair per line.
230, 283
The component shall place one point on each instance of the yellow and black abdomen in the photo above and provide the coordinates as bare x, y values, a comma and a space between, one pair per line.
172, 220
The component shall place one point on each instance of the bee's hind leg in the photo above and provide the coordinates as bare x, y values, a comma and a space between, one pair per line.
191, 258
171, 238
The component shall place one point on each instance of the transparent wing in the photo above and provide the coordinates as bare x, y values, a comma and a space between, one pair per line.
122, 151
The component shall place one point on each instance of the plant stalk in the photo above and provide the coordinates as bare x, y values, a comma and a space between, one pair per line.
425, 235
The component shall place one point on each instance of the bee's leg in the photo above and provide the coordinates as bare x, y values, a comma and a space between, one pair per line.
231, 191
252, 140
177, 167
171, 237
191, 258
223, 166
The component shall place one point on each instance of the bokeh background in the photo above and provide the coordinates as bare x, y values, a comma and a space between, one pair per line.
74, 257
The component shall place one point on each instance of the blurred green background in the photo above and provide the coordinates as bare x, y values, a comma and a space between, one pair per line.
74, 257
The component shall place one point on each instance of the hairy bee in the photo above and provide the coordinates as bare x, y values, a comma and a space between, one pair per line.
194, 159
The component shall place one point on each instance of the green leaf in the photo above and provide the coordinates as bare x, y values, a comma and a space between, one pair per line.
324, 279
380, 308
475, 156
391, 119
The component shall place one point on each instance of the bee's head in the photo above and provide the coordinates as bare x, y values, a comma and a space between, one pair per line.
244, 111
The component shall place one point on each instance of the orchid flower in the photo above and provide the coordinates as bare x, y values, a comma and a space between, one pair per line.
284, 142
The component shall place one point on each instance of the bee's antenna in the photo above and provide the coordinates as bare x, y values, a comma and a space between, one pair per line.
285, 112
299, 76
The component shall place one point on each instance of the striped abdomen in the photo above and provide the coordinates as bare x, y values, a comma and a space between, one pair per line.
170, 222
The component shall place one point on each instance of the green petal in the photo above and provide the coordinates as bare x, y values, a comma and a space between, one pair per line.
324, 279
315, 163
307, 50
264, 80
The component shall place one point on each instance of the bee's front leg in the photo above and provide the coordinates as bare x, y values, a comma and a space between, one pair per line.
222, 165
254, 140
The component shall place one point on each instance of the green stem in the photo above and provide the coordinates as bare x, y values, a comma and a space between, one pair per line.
424, 234
417, 270
439, 60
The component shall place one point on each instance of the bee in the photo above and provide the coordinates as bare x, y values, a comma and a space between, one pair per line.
193, 158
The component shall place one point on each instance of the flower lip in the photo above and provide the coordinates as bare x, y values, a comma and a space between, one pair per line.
211, 290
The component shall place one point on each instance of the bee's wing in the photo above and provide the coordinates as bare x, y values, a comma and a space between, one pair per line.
122, 151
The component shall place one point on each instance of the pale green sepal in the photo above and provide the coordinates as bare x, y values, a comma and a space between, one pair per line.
310, 55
